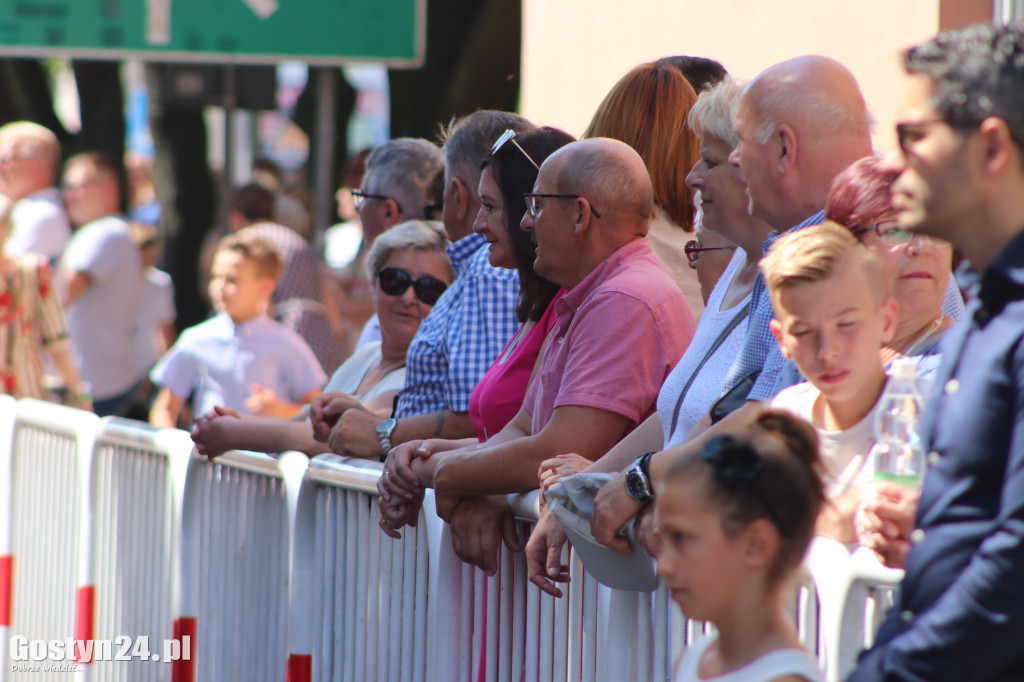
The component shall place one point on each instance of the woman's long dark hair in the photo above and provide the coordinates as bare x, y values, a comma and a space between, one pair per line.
515, 176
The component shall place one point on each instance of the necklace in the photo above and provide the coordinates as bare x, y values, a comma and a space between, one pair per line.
932, 328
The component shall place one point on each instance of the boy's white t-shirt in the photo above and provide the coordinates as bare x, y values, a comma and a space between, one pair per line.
846, 454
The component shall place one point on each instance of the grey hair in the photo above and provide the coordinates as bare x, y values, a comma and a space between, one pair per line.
467, 142
420, 235
715, 111
403, 169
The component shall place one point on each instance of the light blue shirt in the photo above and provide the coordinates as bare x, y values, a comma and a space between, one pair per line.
222, 361
760, 351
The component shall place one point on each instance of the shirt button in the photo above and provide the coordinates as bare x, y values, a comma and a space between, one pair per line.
917, 537
560, 339
906, 616
933, 458
952, 386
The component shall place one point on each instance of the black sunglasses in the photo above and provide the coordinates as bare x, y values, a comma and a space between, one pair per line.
359, 198
394, 282
737, 466
693, 251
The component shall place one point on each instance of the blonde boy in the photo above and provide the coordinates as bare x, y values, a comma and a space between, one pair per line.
226, 358
832, 315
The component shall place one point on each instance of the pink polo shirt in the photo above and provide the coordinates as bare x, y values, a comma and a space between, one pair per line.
618, 334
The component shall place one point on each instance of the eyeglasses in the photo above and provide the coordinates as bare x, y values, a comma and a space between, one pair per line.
889, 232
534, 206
510, 136
692, 250
737, 466
395, 281
359, 198
432, 211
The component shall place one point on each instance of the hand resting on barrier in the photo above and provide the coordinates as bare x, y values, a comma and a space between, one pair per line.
478, 526
213, 432
553, 470
326, 408
884, 521
544, 565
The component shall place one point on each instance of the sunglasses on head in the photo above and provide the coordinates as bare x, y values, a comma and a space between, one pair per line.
394, 282
510, 136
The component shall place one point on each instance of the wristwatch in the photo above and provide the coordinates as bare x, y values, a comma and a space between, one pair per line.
638, 479
384, 431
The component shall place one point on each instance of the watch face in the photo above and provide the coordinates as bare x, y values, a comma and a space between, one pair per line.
386, 427
636, 486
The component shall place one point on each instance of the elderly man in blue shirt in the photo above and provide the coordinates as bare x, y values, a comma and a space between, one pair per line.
959, 613
465, 332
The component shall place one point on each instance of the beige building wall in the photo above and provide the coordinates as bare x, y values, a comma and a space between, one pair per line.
575, 50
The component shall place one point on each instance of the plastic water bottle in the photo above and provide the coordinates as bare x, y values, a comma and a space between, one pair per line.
898, 451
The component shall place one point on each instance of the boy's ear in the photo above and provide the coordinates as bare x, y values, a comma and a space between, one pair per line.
889, 311
268, 286
776, 328
760, 543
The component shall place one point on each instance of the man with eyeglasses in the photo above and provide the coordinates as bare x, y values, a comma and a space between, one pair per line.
467, 329
621, 327
959, 613
29, 165
396, 187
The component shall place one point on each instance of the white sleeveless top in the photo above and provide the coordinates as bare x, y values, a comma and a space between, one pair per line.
770, 666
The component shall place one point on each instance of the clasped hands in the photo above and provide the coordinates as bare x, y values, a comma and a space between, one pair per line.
345, 425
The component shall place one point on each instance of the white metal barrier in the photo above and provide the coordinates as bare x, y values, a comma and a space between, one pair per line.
231, 595
44, 454
359, 601
131, 529
854, 593
276, 570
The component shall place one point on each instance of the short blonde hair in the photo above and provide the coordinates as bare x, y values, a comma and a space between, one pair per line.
814, 254
254, 248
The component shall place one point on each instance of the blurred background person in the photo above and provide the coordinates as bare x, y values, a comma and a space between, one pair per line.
101, 276
155, 332
29, 165
32, 321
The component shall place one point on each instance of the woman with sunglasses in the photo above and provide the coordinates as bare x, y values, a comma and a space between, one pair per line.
409, 270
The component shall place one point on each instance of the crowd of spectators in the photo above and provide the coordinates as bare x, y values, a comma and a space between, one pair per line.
692, 309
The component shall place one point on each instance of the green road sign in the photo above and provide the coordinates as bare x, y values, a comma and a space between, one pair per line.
220, 31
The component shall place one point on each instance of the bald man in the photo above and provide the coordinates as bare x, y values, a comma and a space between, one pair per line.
597, 381
29, 164
800, 123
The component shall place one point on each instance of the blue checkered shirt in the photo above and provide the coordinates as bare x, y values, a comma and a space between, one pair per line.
760, 351
467, 329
